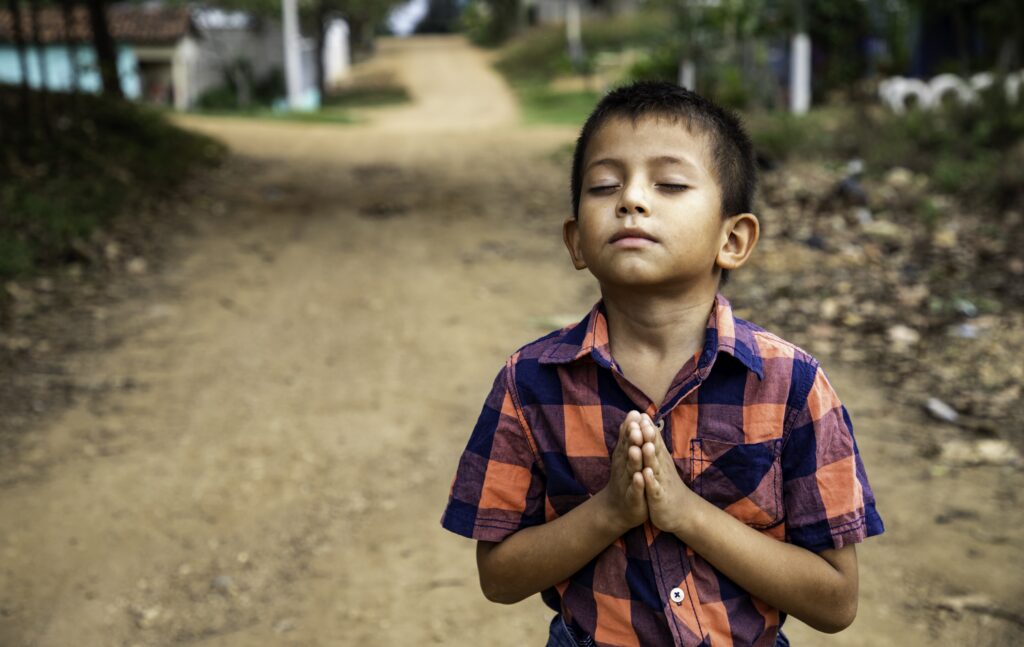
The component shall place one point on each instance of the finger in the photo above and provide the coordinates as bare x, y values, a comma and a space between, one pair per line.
651, 485
622, 443
650, 457
636, 437
635, 459
637, 483
649, 430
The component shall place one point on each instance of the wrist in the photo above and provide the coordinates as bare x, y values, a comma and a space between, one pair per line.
690, 518
608, 518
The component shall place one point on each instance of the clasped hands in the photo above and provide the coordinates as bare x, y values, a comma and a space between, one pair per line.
644, 483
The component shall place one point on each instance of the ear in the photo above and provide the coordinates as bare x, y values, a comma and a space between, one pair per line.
571, 235
739, 236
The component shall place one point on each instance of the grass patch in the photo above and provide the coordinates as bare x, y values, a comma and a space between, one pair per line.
543, 105
322, 116
367, 97
541, 55
97, 158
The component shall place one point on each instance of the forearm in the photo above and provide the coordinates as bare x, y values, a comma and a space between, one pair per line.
821, 592
538, 557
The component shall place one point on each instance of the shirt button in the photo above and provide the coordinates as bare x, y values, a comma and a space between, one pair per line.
677, 595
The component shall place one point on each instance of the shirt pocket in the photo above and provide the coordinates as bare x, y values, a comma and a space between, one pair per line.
744, 479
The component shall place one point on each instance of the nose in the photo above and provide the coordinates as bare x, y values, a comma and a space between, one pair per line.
633, 201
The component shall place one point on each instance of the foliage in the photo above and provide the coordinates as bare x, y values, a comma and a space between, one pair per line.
540, 55
360, 96
974, 151
104, 155
545, 106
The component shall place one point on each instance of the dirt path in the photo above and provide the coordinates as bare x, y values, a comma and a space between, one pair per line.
300, 382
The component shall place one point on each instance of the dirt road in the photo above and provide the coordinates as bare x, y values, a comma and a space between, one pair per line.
292, 394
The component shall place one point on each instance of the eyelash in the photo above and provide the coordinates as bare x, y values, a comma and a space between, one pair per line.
674, 188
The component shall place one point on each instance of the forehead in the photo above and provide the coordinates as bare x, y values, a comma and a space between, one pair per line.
649, 138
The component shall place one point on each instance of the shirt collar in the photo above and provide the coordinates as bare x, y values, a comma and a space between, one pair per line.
724, 333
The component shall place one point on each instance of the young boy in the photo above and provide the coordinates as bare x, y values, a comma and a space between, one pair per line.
662, 472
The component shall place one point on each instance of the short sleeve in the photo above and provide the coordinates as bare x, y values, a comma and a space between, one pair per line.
828, 501
498, 487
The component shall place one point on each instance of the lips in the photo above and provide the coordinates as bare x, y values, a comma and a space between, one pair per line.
632, 233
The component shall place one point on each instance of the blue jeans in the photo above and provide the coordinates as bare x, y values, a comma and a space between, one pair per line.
560, 635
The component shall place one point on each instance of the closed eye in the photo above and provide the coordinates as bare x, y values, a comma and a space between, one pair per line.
674, 187
602, 189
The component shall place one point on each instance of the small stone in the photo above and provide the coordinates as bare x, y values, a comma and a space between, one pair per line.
137, 265
903, 338
223, 584
899, 177
945, 238
284, 625
965, 331
940, 410
983, 452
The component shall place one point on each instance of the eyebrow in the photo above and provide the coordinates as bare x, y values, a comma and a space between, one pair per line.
661, 159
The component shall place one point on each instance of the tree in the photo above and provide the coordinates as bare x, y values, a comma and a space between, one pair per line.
106, 51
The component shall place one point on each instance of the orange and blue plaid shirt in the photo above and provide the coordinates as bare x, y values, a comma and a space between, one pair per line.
754, 427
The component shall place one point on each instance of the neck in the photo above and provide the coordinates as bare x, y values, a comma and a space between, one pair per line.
666, 324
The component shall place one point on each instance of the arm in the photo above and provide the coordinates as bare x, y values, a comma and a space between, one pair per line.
820, 589
538, 557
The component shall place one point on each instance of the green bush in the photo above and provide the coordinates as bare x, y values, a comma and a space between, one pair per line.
57, 188
540, 54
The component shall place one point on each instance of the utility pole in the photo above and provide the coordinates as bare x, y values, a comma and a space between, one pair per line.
292, 60
574, 34
800, 64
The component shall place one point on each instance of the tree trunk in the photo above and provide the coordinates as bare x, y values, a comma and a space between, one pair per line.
68, 11
44, 75
19, 44
106, 51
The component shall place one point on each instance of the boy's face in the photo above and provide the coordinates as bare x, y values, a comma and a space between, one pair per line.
650, 209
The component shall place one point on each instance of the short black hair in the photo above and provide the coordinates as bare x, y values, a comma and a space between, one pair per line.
732, 154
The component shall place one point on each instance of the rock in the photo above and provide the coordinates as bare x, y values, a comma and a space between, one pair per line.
284, 625
136, 266
965, 307
223, 584
863, 215
899, 177
962, 453
112, 251
145, 617
903, 338
940, 410
965, 331
945, 238
886, 231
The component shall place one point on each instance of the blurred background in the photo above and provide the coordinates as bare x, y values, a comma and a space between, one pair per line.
261, 260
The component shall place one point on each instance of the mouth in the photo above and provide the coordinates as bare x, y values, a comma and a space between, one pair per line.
632, 236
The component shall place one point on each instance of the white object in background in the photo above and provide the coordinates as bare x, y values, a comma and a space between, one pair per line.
336, 59
688, 75
574, 32
800, 74
292, 54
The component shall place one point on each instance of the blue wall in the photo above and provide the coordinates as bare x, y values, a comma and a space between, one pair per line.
58, 68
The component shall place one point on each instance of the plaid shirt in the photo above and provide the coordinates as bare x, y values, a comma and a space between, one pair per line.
754, 427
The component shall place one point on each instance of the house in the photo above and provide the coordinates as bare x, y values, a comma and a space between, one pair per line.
165, 54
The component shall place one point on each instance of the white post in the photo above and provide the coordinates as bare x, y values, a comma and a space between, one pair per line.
292, 60
573, 33
688, 74
800, 74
